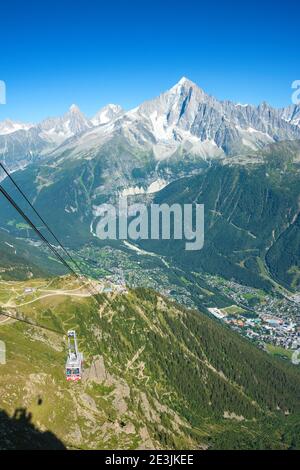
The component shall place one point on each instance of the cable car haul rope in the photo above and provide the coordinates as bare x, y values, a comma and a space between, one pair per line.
75, 358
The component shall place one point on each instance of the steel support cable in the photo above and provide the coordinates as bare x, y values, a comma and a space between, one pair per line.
37, 213
42, 220
93, 292
36, 230
24, 320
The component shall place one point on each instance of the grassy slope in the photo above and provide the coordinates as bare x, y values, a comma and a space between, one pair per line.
156, 375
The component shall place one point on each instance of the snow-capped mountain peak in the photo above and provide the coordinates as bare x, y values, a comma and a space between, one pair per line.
58, 129
185, 116
75, 122
107, 114
74, 109
8, 126
184, 82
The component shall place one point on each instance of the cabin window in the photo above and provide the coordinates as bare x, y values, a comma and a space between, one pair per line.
69, 371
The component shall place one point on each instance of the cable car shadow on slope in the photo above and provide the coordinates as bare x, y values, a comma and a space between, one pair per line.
18, 432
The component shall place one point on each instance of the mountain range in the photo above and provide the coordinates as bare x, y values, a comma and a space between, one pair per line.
184, 119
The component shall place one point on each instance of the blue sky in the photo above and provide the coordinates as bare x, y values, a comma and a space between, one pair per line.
55, 53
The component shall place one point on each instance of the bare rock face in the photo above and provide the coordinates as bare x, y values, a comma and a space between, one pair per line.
96, 372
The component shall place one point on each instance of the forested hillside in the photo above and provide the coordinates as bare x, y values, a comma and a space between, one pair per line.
156, 375
251, 224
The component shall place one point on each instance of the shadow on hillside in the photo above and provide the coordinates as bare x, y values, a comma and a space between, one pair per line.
18, 432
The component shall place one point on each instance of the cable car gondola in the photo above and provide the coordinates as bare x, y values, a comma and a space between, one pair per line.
74, 360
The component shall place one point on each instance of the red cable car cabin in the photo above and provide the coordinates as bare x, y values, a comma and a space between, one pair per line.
75, 359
